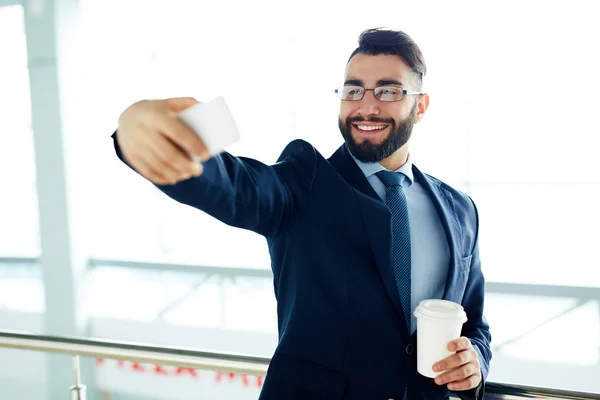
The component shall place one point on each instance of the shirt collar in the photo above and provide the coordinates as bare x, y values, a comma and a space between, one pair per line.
372, 168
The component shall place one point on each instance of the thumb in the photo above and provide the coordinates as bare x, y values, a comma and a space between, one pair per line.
177, 104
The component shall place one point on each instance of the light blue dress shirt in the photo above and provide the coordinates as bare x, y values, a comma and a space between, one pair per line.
430, 253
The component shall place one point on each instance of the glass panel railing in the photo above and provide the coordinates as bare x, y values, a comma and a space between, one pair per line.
150, 363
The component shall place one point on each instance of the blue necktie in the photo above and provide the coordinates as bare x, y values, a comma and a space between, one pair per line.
396, 202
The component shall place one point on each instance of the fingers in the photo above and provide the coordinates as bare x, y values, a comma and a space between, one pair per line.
169, 156
456, 360
462, 343
459, 374
178, 104
463, 371
465, 384
177, 132
152, 167
157, 144
158, 159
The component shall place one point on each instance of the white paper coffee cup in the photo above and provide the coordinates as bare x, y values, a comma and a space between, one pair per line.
438, 323
213, 123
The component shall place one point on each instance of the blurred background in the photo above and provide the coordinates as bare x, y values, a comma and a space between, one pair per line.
88, 248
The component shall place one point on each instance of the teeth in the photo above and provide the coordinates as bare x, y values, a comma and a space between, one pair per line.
370, 128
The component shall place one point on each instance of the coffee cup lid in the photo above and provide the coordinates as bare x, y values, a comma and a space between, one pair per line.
441, 309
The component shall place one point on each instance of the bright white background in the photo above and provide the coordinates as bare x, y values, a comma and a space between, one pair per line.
514, 89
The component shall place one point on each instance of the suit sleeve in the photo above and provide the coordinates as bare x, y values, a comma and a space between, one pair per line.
477, 328
246, 193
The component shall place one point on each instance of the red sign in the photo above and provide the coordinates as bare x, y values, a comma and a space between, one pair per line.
220, 377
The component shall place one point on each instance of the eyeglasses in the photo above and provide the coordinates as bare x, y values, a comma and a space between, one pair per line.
382, 93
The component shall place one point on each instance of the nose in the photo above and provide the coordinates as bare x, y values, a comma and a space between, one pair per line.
369, 105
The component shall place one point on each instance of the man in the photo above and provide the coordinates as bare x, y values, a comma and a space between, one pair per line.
354, 246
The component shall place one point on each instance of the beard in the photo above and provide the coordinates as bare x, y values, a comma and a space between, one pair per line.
370, 152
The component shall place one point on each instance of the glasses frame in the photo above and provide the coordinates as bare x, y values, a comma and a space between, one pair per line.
365, 90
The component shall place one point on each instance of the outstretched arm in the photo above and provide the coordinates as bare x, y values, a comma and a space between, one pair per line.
246, 193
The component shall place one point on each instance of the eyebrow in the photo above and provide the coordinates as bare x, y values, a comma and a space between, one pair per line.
381, 82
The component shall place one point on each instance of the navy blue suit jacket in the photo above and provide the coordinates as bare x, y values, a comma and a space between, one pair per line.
341, 329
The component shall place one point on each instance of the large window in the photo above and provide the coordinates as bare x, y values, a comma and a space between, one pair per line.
221, 55
18, 199
533, 135
511, 119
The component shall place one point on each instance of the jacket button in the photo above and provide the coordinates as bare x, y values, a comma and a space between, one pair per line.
409, 349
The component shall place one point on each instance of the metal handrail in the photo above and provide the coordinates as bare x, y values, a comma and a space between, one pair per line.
136, 352
223, 362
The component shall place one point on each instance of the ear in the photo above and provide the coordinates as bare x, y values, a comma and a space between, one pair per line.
422, 105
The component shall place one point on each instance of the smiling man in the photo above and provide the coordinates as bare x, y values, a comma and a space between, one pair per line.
368, 126
356, 240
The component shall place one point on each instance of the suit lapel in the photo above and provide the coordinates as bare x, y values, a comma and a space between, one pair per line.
343, 162
376, 218
444, 204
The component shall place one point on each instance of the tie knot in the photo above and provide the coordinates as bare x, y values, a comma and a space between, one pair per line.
391, 179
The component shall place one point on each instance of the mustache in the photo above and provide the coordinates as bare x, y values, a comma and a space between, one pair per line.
351, 120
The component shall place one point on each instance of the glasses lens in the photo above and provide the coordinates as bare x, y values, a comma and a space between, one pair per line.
388, 93
351, 92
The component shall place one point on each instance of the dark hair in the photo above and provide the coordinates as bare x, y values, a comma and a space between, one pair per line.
379, 41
